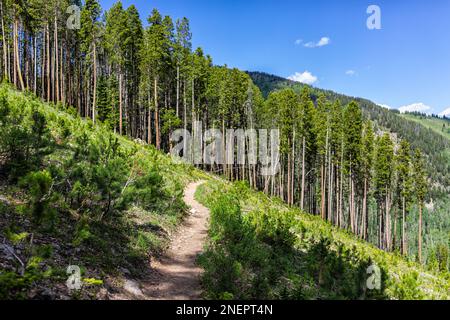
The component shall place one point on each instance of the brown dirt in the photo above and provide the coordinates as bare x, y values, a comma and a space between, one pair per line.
176, 276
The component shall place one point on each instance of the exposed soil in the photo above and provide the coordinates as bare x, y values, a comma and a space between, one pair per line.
176, 276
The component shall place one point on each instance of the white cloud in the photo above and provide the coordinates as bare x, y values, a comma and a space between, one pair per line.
415, 107
298, 41
322, 42
445, 113
350, 72
305, 77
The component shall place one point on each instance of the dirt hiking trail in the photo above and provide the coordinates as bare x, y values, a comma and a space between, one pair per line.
176, 275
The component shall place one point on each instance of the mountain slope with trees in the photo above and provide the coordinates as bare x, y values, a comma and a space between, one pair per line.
440, 125
261, 248
418, 134
89, 197
337, 158
75, 194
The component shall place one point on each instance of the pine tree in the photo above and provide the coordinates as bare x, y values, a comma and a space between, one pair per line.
306, 134
156, 51
115, 36
403, 167
146, 83
352, 141
18, 9
133, 43
367, 154
4, 23
420, 190
182, 49
322, 132
337, 158
382, 181
90, 33
288, 105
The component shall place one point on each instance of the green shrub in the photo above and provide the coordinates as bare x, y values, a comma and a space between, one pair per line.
274, 252
273, 227
14, 285
87, 179
408, 287
82, 232
25, 139
40, 185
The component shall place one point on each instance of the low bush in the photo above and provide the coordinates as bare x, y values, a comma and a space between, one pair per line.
39, 185
276, 252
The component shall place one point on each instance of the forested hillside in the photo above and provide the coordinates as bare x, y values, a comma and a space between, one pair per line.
75, 194
420, 136
357, 166
85, 196
421, 132
440, 125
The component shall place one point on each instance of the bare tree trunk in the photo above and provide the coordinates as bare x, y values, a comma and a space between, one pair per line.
26, 61
289, 179
302, 196
404, 242
16, 50
178, 91
193, 119
53, 74
56, 59
149, 122
386, 229
420, 232
61, 77
94, 98
388, 223
380, 226
43, 57
280, 182
14, 56
35, 65
394, 235
4, 45
364, 212
48, 61
120, 102
293, 170
341, 187
352, 203
185, 146
323, 172
322, 190
330, 187
158, 134
338, 199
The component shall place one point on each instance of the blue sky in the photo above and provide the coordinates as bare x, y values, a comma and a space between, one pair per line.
406, 63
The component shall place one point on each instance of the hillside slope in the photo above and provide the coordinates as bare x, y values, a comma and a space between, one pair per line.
75, 194
260, 248
438, 125
420, 133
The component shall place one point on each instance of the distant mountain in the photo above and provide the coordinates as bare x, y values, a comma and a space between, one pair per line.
432, 143
436, 123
